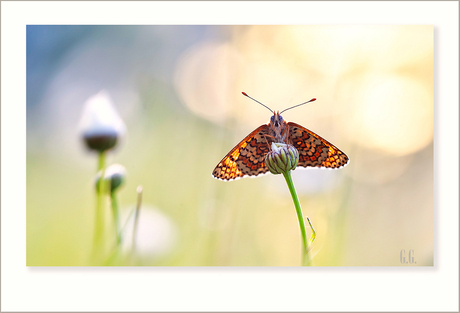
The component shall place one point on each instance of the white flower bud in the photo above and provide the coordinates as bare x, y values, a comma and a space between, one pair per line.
115, 175
101, 126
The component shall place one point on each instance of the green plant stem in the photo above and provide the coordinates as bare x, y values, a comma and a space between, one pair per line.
116, 217
130, 215
306, 255
100, 217
136, 217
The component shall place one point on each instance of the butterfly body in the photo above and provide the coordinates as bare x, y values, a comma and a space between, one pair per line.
277, 128
247, 158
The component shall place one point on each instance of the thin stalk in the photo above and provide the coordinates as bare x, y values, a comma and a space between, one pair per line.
116, 217
136, 216
306, 255
100, 216
123, 228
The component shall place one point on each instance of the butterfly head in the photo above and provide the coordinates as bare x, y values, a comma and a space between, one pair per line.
276, 120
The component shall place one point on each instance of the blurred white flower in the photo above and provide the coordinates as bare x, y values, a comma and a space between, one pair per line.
100, 125
156, 233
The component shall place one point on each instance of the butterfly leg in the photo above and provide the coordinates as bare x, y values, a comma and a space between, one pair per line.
268, 143
285, 135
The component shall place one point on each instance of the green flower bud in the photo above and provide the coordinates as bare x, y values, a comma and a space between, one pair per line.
281, 158
114, 175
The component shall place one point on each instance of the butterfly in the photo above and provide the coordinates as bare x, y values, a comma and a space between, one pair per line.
247, 158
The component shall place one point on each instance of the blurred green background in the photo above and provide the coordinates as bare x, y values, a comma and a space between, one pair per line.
178, 90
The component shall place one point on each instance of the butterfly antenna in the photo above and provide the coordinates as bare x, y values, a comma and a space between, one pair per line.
298, 105
257, 102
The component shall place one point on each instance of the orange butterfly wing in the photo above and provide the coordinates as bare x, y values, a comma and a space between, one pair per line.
315, 151
246, 159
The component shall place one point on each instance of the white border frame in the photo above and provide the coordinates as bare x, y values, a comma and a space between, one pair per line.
230, 289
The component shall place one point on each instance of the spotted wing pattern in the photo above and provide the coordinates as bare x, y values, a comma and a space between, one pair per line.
315, 151
246, 159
